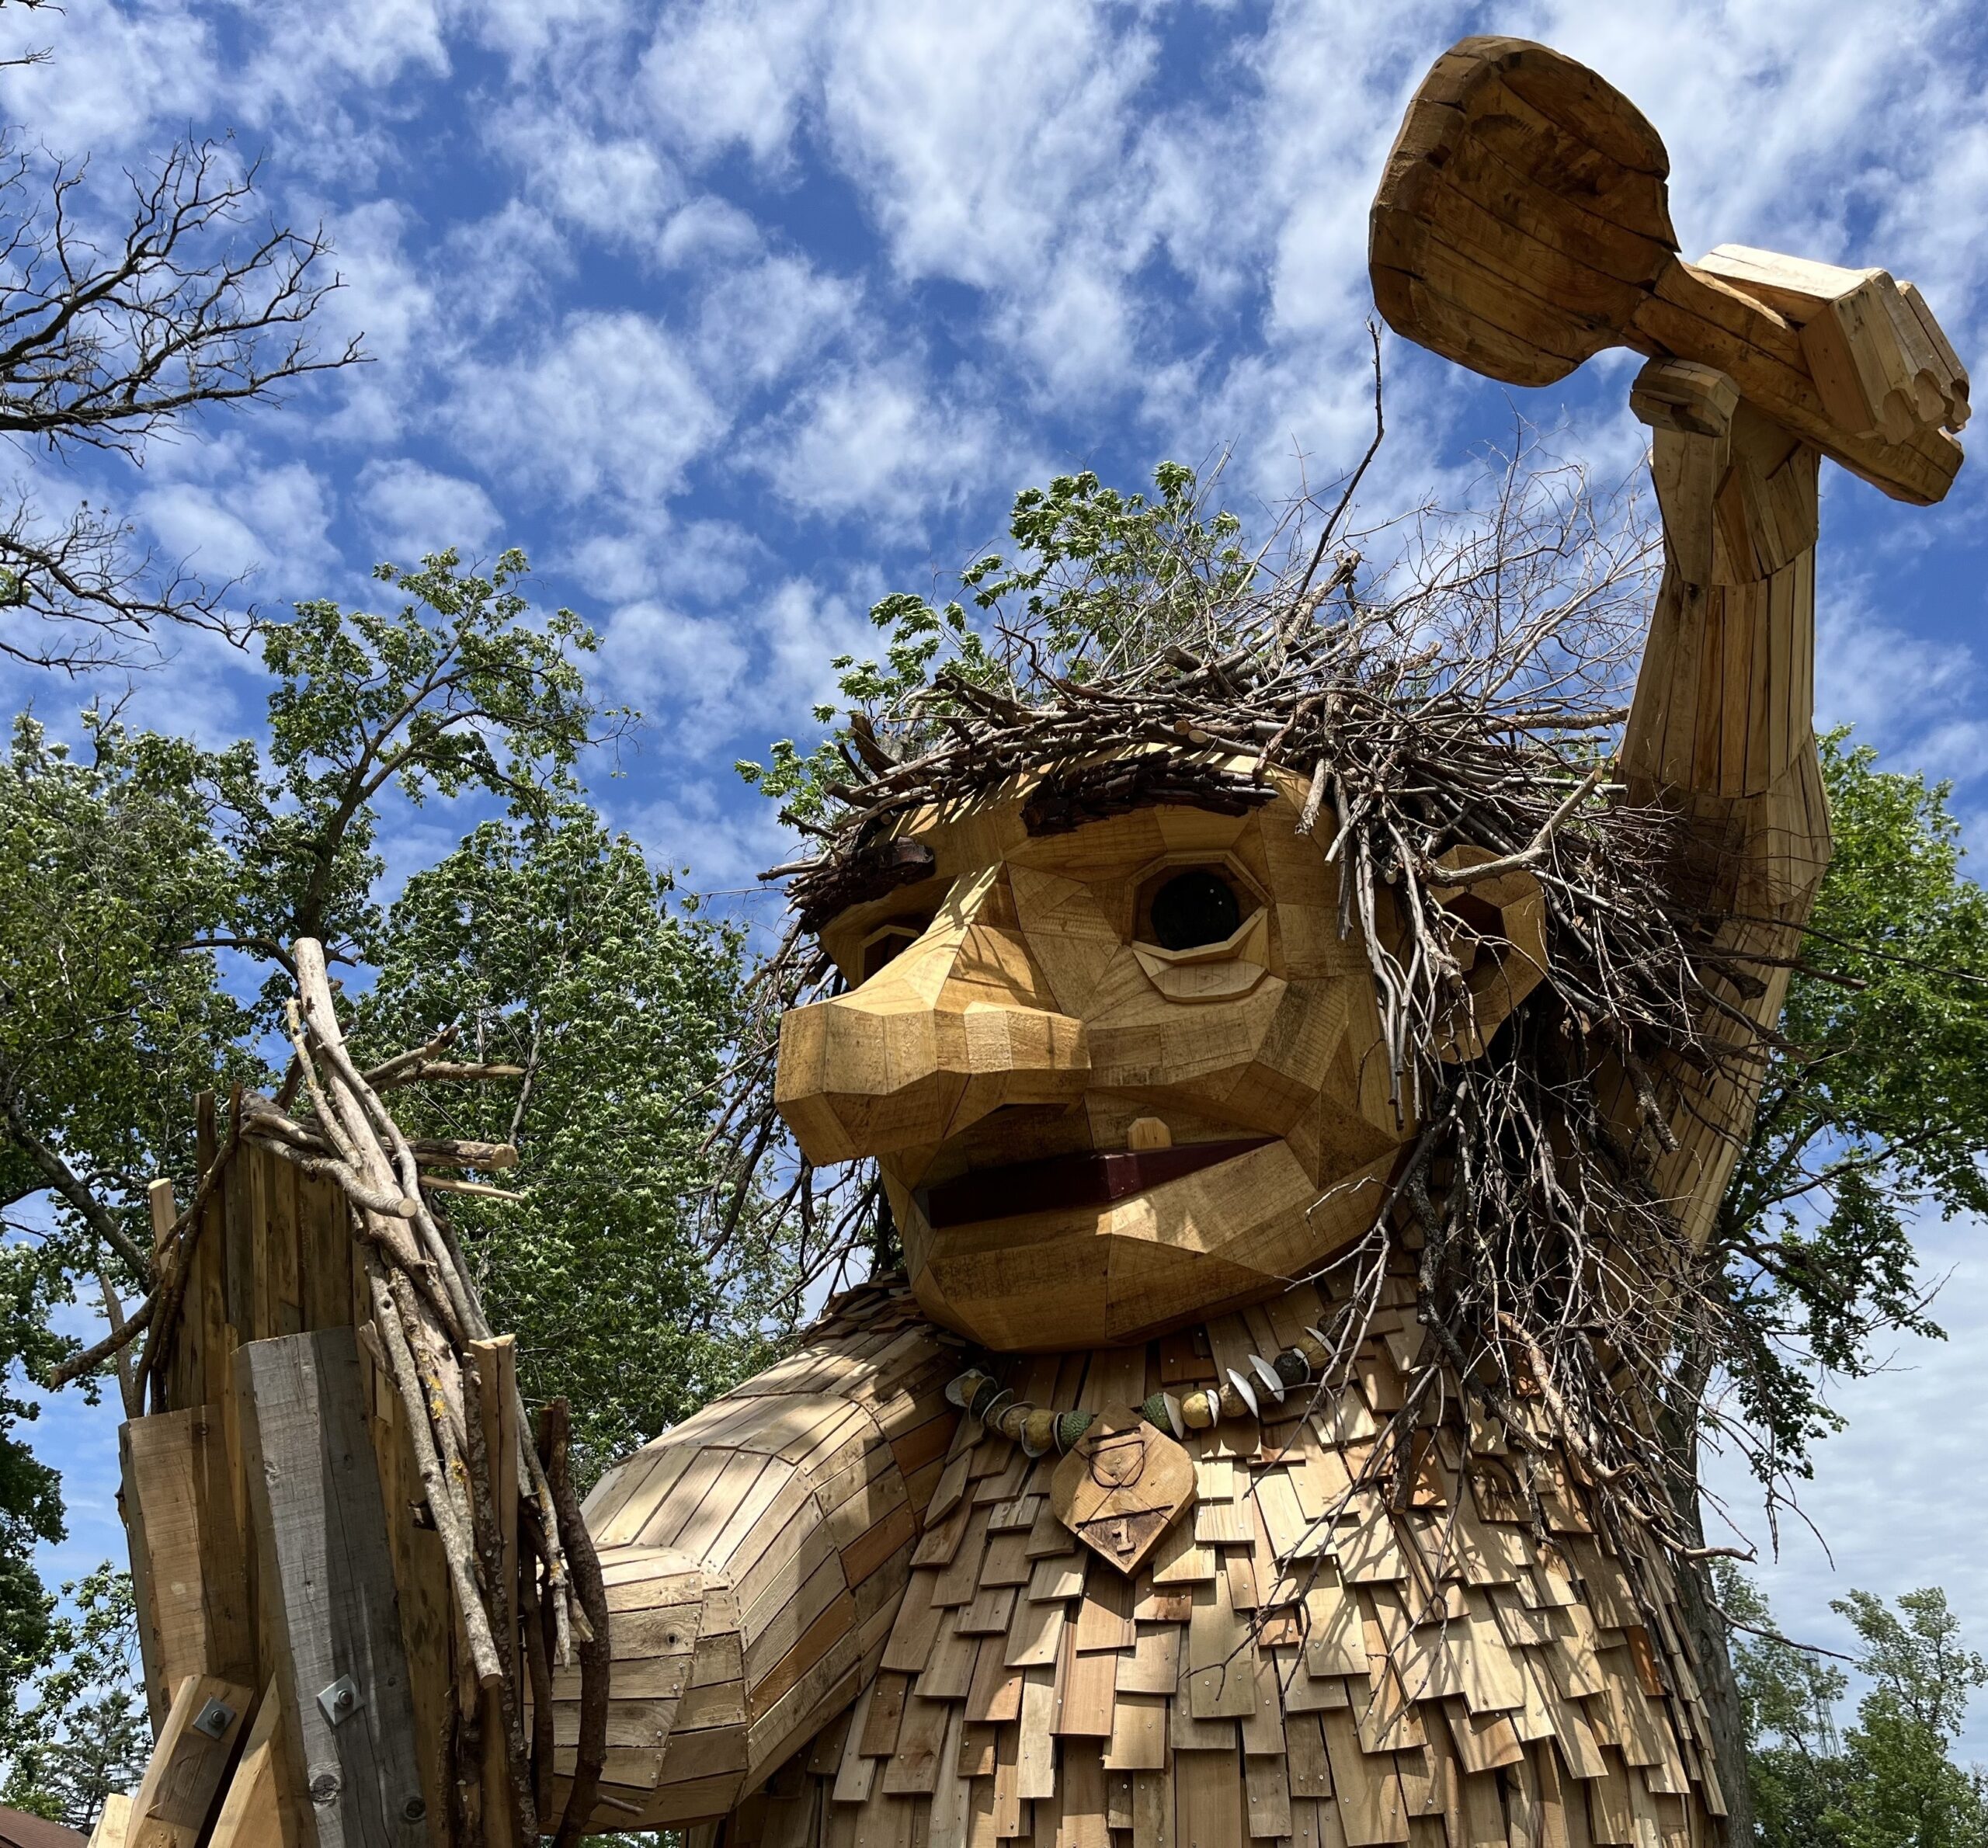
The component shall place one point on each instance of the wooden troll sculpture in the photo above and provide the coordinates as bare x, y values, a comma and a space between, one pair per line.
1069, 1537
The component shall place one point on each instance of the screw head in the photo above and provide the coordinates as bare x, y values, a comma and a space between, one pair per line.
414, 1808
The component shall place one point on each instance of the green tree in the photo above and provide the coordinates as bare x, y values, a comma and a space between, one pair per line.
1904, 1789
1788, 1697
149, 890
87, 1735
1875, 1107
1890, 1780
1097, 578
554, 945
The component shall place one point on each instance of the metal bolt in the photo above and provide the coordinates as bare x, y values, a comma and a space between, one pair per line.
414, 1808
215, 1719
341, 1700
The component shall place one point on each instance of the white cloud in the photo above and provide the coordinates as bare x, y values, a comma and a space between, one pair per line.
610, 409
651, 653
722, 850
118, 81
756, 323
533, 31
753, 669
310, 55
1894, 1498
876, 441
498, 273
994, 146
731, 71
269, 523
411, 511
984, 136
618, 187
804, 630
1896, 687
700, 564
710, 229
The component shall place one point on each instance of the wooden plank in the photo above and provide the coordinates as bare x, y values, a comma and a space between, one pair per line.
285, 1254
320, 1530
187, 1560
428, 1640
239, 1227
112, 1822
324, 1254
495, 1363
1208, 1796
251, 1812
178, 1792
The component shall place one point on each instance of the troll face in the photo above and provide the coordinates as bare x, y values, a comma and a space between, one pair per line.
1119, 1074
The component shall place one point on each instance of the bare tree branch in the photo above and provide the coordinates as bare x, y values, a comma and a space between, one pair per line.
111, 335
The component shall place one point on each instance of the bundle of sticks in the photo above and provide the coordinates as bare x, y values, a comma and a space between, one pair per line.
427, 1327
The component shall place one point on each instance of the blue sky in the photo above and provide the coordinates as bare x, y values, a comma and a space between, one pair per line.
736, 315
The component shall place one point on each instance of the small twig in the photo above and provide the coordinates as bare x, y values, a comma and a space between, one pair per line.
1527, 856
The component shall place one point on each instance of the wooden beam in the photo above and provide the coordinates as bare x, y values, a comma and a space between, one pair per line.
196, 1747
187, 1564
251, 1812
495, 1363
320, 1530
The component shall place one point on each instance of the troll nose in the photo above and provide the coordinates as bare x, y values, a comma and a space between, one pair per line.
957, 1026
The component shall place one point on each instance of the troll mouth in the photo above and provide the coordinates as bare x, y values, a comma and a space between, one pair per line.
1097, 1180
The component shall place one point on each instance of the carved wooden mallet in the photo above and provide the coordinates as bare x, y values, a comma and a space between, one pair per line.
1523, 224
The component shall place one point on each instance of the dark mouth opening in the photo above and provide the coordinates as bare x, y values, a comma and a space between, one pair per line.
1071, 1180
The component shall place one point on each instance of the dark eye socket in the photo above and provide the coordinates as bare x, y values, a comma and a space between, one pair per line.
888, 944
1194, 909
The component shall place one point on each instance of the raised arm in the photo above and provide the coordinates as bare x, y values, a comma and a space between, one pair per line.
1722, 727
754, 1556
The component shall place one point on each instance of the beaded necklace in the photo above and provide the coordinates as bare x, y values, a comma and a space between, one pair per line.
1039, 1430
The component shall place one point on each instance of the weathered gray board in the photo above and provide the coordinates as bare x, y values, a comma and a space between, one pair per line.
328, 1583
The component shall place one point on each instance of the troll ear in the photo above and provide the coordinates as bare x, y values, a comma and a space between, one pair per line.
1498, 939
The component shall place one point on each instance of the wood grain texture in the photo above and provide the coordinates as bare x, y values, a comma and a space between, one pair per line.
1521, 225
1432, 1673
173, 1803
252, 1812
756, 1558
321, 1529
188, 1564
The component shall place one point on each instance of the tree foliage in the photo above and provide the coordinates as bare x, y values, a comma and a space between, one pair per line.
558, 948
1096, 575
1875, 1109
1889, 1781
150, 887
87, 1733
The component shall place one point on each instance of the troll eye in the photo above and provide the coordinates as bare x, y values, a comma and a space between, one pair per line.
886, 943
1195, 908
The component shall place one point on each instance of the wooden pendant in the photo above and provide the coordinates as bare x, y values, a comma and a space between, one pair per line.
1122, 1487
